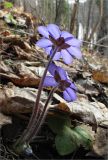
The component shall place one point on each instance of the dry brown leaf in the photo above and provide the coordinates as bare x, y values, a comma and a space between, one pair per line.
29, 22
26, 81
19, 74
87, 87
4, 68
63, 107
4, 119
10, 38
16, 40
3, 13
26, 76
19, 53
88, 112
5, 33
101, 76
100, 146
15, 100
24, 98
96, 61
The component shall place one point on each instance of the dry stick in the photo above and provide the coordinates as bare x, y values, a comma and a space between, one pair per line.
34, 115
100, 45
41, 117
102, 39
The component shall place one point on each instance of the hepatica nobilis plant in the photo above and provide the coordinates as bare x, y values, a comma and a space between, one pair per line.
58, 45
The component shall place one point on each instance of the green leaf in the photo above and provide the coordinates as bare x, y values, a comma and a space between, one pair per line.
8, 5
67, 142
68, 139
85, 136
57, 122
64, 145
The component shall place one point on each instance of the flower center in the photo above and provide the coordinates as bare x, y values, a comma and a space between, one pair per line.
63, 84
60, 42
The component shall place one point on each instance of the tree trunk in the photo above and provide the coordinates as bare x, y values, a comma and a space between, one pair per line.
97, 25
88, 20
103, 32
58, 11
73, 16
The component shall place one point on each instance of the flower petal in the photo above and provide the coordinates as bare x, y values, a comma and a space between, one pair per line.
74, 42
48, 50
52, 69
43, 43
43, 31
65, 35
57, 56
62, 73
67, 58
49, 81
75, 52
54, 31
66, 96
71, 93
72, 86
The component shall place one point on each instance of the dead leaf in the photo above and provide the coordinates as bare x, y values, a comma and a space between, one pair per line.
63, 107
5, 33
19, 53
86, 111
87, 87
28, 17
3, 13
19, 74
100, 146
25, 81
101, 76
16, 101
4, 119
4, 68
16, 40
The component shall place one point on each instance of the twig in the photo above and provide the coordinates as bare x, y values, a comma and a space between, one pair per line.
100, 45
103, 38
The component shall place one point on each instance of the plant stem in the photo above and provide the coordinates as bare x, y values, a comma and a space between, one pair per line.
41, 117
33, 119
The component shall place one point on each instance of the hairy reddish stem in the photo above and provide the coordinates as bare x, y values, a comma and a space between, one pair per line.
41, 117
31, 125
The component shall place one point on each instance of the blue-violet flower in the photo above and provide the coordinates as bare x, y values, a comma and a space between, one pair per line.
59, 78
68, 45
